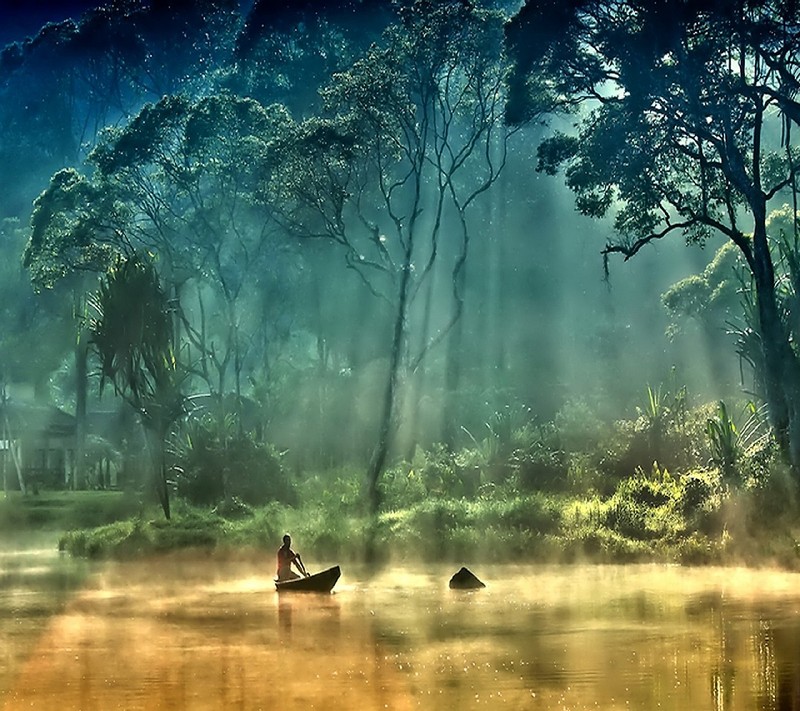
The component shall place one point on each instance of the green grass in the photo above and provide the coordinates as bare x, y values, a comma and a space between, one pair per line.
523, 528
651, 516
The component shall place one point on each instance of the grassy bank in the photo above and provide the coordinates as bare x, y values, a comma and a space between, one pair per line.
654, 517
676, 484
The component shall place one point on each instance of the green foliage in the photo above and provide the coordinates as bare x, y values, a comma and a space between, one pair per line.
723, 435
136, 537
69, 229
695, 516
413, 127
516, 448
401, 486
656, 64
233, 507
501, 528
436, 472
665, 430
712, 297
216, 463
663, 409
774, 495
578, 426
655, 506
630, 511
739, 450
697, 491
132, 333
699, 549
541, 465
633, 67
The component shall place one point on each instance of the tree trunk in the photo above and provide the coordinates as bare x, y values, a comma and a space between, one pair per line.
452, 384
4, 452
81, 387
387, 423
15, 455
161, 481
782, 369
155, 438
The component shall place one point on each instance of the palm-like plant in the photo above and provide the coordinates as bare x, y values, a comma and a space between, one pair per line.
132, 333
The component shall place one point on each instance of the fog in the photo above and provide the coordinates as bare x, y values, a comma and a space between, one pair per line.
206, 635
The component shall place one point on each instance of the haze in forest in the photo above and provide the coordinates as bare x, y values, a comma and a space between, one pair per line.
542, 324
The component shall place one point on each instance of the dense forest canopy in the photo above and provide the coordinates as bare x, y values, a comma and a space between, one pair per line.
340, 232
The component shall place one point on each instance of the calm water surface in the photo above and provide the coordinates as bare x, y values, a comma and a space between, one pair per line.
178, 633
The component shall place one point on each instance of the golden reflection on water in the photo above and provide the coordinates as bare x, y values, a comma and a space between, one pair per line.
176, 633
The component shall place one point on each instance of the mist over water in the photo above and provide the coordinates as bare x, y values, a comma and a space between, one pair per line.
204, 633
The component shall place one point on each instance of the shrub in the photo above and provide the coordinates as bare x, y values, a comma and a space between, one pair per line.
650, 491
774, 494
646, 507
437, 472
603, 545
539, 468
579, 428
338, 492
628, 518
215, 461
698, 549
233, 507
697, 488
532, 512
402, 486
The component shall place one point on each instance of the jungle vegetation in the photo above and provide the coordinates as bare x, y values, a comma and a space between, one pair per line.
321, 264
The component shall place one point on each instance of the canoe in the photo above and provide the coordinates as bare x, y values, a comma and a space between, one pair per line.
321, 582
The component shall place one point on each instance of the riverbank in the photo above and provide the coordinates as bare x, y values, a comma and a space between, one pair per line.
658, 525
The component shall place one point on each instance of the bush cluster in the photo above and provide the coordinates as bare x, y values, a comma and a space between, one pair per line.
217, 462
672, 483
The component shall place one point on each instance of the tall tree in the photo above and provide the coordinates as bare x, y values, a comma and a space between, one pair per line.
681, 106
411, 137
286, 52
60, 88
181, 180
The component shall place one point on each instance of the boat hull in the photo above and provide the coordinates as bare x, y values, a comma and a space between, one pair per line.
321, 582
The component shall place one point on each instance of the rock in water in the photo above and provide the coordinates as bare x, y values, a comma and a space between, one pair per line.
465, 579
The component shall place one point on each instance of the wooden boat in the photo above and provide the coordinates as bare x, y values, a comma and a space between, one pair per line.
321, 582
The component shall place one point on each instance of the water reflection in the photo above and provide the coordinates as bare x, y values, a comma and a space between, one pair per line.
202, 634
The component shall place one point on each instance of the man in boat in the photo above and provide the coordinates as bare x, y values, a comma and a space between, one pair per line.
286, 556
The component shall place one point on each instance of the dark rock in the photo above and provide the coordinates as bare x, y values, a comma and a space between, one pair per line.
465, 580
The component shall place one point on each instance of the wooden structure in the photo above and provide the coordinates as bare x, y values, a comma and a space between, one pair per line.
37, 446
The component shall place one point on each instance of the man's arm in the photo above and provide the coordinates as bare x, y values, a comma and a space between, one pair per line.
299, 564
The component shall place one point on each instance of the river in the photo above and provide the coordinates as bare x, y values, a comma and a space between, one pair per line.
182, 632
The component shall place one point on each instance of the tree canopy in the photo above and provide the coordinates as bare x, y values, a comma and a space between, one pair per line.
685, 115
